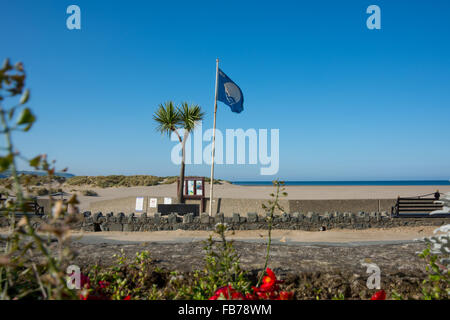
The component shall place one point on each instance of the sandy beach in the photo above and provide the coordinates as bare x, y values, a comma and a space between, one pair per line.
227, 190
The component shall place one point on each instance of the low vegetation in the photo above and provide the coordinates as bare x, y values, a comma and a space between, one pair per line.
89, 193
94, 181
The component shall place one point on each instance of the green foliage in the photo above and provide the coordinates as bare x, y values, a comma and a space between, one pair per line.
173, 179
32, 179
222, 269
273, 204
189, 116
127, 278
29, 265
170, 118
437, 285
167, 118
339, 296
114, 181
89, 193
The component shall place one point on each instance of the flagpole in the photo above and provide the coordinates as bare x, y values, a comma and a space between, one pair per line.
211, 185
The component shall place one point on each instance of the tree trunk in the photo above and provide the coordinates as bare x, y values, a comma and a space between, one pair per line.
180, 189
183, 152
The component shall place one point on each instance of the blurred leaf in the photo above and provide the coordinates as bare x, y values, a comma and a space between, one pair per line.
5, 162
73, 200
26, 117
25, 97
35, 161
19, 66
11, 113
6, 66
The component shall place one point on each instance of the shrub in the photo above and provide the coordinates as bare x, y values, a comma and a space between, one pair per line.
89, 193
222, 269
114, 181
21, 274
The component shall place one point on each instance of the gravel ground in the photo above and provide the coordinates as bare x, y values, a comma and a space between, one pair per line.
292, 258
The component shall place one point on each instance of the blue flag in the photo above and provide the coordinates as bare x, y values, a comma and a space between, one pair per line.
229, 93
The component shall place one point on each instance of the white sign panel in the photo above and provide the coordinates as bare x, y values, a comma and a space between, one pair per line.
167, 200
139, 203
152, 202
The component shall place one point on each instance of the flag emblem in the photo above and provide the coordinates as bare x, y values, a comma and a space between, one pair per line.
229, 93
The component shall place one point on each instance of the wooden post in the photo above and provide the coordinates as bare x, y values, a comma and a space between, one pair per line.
211, 187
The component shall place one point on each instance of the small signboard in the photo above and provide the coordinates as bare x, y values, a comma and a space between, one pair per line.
167, 200
152, 202
139, 203
190, 187
199, 187
194, 188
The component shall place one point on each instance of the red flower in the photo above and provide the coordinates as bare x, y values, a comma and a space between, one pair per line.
103, 284
269, 290
227, 293
127, 298
269, 282
85, 282
379, 295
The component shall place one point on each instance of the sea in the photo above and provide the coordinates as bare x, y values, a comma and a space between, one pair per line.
350, 183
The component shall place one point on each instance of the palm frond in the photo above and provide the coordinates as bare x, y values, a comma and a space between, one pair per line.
167, 118
190, 115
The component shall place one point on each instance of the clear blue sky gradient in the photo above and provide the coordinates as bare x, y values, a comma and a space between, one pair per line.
350, 103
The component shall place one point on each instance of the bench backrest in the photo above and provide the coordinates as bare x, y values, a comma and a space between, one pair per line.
421, 205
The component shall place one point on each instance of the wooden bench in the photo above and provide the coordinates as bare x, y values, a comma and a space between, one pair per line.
419, 206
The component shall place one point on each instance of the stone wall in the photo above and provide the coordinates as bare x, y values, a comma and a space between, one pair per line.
252, 221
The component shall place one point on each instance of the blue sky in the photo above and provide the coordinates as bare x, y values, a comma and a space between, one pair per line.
350, 103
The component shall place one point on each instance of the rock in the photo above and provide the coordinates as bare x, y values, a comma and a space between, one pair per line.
204, 218
172, 218
86, 214
327, 215
188, 218
285, 217
236, 218
97, 216
252, 217
157, 218
219, 218
121, 217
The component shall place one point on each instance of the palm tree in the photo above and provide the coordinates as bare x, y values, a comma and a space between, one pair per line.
171, 119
